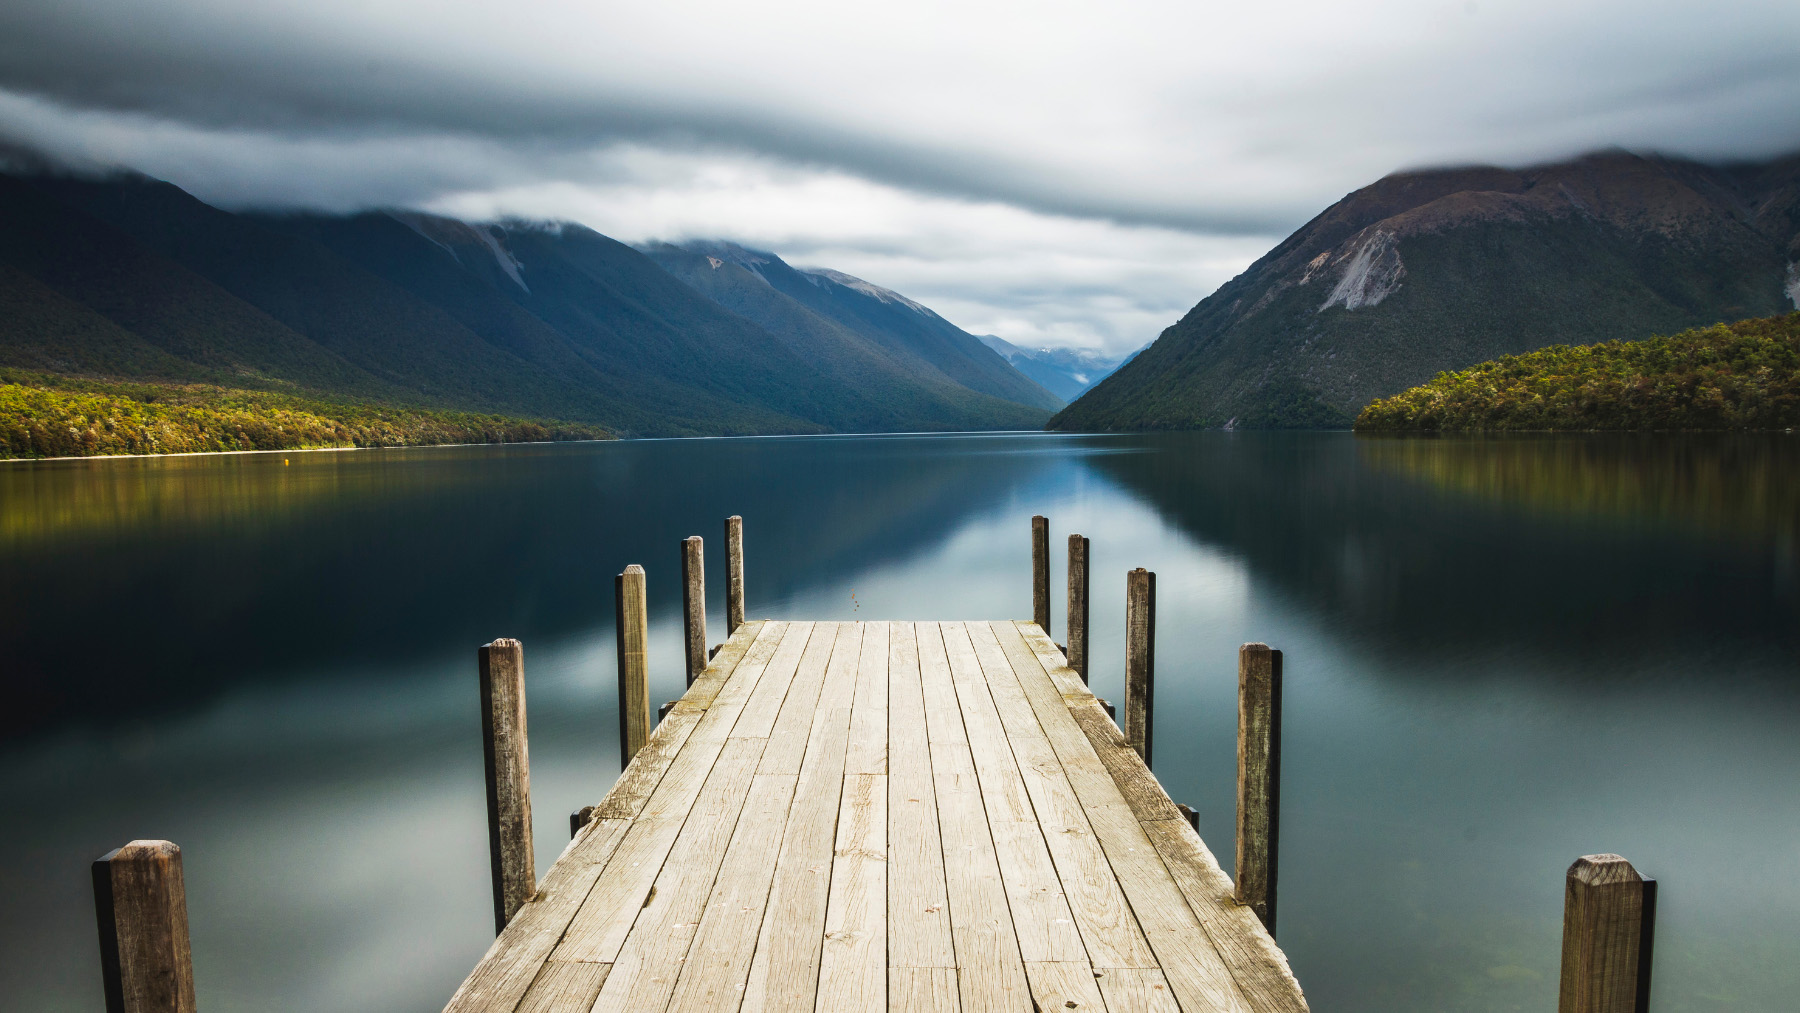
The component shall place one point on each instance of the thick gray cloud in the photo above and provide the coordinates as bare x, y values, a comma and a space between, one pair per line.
1059, 173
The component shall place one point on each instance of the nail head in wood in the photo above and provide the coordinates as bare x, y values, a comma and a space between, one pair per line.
140, 903
1259, 779
502, 665
633, 614
1040, 572
1609, 919
734, 573
1140, 661
1077, 650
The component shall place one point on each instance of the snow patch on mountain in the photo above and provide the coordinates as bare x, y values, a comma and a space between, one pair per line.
1373, 274
821, 276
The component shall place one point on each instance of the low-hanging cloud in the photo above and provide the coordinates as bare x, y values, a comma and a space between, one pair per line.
1055, 173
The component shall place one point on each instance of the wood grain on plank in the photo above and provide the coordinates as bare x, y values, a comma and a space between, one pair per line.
1041, 917
784, 973
750, 650
600, 926
564, 987
1101, 911
718, 963
764, 704
922, 990
868, 752
918, 910
991, 974
514, 959
1063, 986
1136, 990
853, 962
649, 962
788, 737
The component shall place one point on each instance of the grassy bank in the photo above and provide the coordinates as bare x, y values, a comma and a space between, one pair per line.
50, 416
1726, 377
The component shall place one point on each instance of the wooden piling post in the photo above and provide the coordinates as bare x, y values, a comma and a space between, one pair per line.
140, 902
734, 573
1040, 572
580, 818
693, 604
1609, 922
1140, 660
502, 665
634, 662
1078, 605
1259, 778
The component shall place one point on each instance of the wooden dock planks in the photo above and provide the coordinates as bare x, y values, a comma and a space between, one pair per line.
884, 817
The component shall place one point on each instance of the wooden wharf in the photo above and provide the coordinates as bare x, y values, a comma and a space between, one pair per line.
885, 816
880, 817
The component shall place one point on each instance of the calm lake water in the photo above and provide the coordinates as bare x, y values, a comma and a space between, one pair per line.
1500, 655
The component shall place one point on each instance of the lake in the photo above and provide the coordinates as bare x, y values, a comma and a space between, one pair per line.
1500, 654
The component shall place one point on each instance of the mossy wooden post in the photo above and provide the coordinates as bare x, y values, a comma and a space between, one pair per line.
1040, 572
1259, 778
1078, 606
502, 665
634, 662
734, 574
693, 604
1140, 660
1609, 922
140, 902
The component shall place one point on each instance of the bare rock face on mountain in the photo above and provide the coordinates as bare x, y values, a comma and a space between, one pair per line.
1429, 271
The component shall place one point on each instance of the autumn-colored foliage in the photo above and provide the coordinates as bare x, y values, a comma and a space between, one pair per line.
1725, 377
43, 416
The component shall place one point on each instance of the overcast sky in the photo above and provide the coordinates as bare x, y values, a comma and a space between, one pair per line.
1057, 173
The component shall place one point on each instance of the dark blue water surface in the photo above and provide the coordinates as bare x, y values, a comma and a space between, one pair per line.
1500, 654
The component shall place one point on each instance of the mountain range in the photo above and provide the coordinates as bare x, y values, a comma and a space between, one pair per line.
131, 278
1423, 272
1066, 372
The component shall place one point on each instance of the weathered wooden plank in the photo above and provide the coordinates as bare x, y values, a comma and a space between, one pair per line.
1101, 912
1256, 963
922, 989
600, 926
853, 963
564, 987
718, 964
1136, 990
750, 650
789, 735
1063, 985
1259, 779
1105, 741
1193, 968
140, 901
514, 960
502, 666
868, 752
648, 963
1249, 952
918, 910
784, 973
1041, 917
693, 605
991, 974
764, 705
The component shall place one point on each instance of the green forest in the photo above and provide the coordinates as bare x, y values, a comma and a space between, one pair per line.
1742, 376
43, 415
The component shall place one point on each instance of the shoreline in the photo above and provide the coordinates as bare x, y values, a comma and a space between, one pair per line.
297, 450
